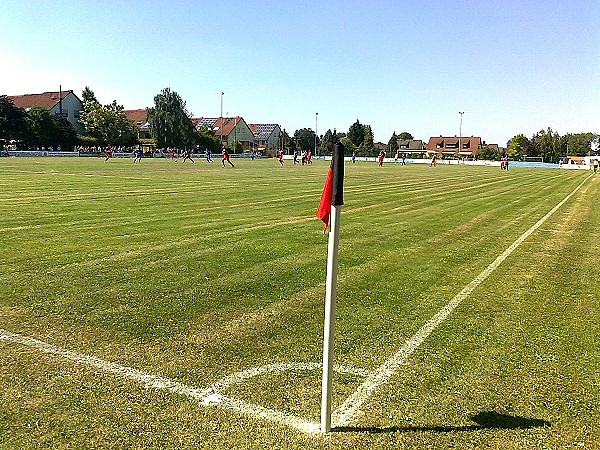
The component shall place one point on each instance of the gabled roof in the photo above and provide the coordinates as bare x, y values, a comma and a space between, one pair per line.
139, 116
450, 144
45, 100
262, 131
410, 144
220, 125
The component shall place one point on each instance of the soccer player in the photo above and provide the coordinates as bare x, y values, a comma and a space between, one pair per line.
137, 155
353, 156
225, 157
107, 153
280, 156
207, 156
309, 157
433, 160
188, 155
380, 158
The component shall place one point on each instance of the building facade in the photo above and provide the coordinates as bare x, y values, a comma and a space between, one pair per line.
64, 103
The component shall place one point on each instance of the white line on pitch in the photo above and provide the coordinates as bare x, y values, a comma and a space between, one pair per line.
212, 395
351, 408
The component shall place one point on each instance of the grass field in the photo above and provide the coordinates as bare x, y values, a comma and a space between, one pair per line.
195, 273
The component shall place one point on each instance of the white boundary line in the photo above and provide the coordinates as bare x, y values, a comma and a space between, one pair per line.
211, 396
349, 411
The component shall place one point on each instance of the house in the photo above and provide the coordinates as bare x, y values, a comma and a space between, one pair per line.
64, 103
266, 135
411, 146
228, 129
140, 118
463, 147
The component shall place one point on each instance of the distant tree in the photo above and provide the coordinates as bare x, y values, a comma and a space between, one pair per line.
367, 146
548, 144
43, 130
327, 142
393, 143
488, 153
13, 121
348, 145
206, 139
170, 122
87, 95
405, 136
356, 133
65, 135
108, 124
305, 139
517, 147
580, 144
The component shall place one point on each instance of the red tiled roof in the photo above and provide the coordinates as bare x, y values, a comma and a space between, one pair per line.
139, 116
45, 100
227, 123
451, 144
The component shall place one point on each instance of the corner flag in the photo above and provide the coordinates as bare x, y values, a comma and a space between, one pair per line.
333, 191
330, 207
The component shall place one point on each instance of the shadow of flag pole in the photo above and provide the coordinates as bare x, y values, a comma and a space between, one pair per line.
330, 207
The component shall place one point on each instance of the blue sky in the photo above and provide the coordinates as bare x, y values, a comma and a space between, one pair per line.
511, 66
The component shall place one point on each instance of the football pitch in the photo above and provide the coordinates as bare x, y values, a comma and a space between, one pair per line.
170, 305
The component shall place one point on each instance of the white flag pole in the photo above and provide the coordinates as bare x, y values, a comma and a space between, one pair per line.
329, 327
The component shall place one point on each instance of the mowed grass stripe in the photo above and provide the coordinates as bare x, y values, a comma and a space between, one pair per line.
240, 300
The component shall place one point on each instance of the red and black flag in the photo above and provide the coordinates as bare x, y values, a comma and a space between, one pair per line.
333, 191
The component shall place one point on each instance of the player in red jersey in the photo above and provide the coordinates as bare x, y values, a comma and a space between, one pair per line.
225, 157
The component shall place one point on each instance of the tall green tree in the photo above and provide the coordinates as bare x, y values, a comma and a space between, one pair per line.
170, 122
206, 139
356, 133
327, 142
405, 136
580, 144
367, 145
518, 146
43, 131
66, 135
108, 124
393, 143
87, 95
305, 138
13, 122
487, 153
548, 143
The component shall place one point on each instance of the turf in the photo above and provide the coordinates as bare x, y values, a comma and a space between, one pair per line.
195, 272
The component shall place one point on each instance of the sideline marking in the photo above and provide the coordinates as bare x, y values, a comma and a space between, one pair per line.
349, 411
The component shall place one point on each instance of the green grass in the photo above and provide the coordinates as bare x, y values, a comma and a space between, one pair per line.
195, 272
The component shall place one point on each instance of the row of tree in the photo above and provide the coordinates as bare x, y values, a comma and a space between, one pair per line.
105, 125
551, 146
359, 139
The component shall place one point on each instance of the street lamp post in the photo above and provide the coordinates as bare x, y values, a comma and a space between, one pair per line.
222, 94
316, 133
460, 135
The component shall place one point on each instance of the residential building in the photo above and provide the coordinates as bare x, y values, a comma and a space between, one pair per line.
411, 146
140, 118
228, 129
462, 147
266, 136
64, 103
